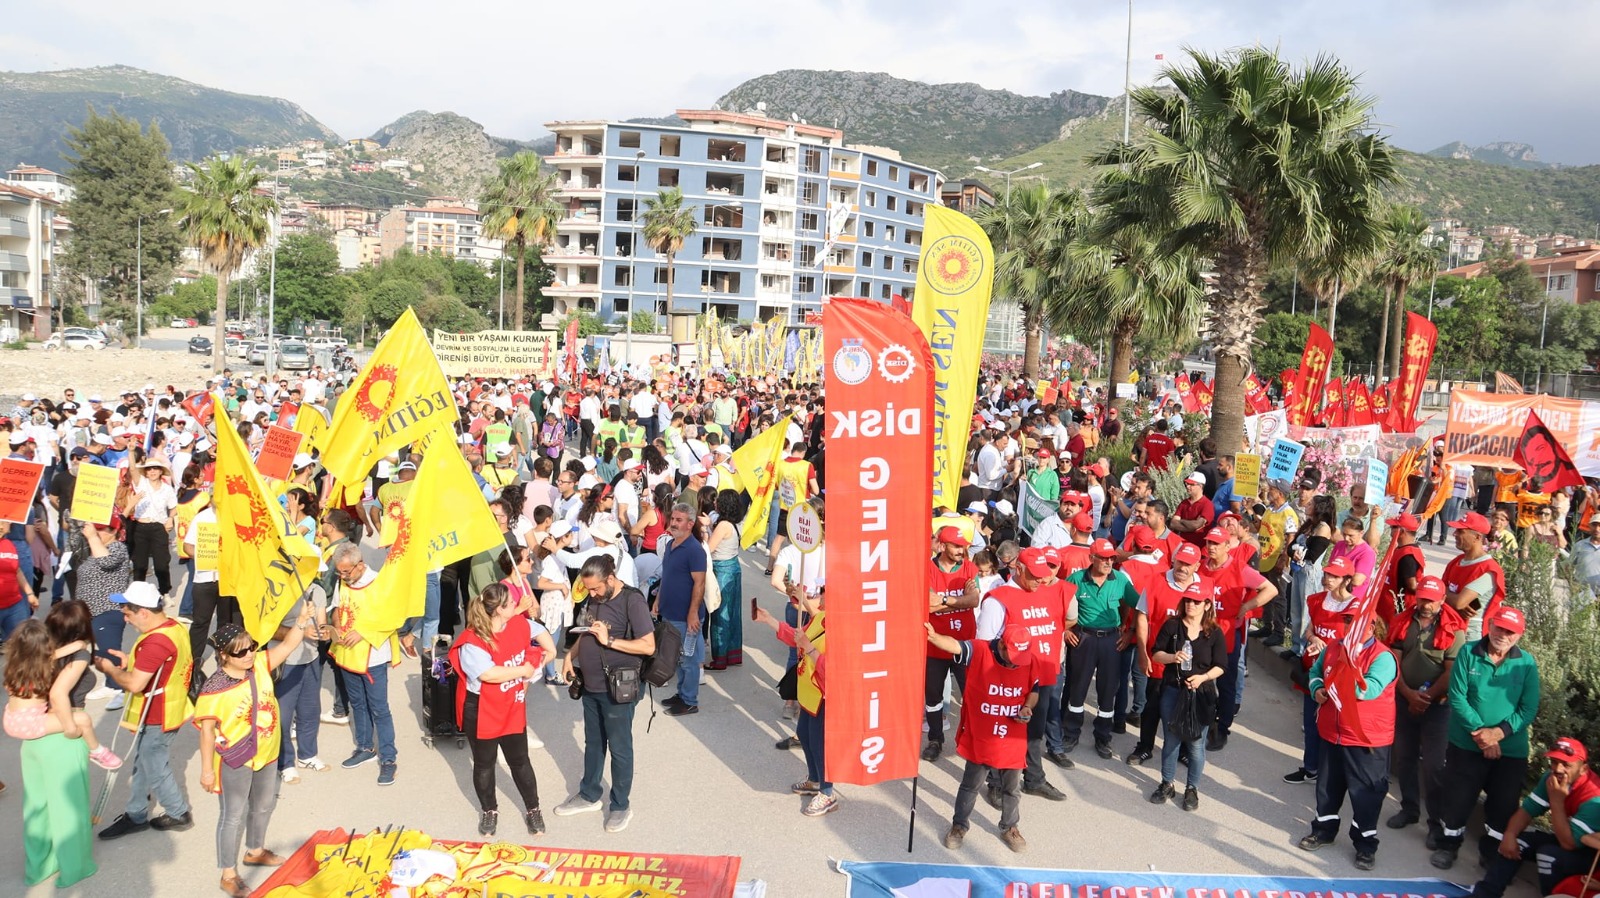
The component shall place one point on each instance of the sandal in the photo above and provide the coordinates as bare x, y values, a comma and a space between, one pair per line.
235, 886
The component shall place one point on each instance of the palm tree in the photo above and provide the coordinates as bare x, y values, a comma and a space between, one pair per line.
1405, 258
519, 207
1355, 240
666, 224
225, 215
1250, 164
1032, 228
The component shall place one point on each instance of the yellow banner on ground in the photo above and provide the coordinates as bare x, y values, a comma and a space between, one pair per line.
497, 353
443, 519
399, 397
955, 277
757, 462
259, 560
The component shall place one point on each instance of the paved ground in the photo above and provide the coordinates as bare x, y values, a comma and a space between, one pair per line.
713, 784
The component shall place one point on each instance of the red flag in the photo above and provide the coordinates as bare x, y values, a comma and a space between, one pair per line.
1191, 402
879, 381
1314, 364
900, 304
1290, 380
1416, 357
1380, 401
572, 349
1542, 455
1256, 395
1202, 391
1360, 405
199, 406
1339, 676
1333, 411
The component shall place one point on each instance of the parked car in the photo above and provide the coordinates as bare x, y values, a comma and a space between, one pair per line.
294, 356
75, 339
257, 354
200, 344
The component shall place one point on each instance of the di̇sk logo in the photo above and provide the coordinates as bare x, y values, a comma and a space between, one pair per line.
852, 364
896, 364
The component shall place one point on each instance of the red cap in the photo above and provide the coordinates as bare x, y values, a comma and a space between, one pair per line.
1405, 520
1141, 537
1073, 496
1083, 522
1043, 453
1102, 548
1429, 589
1226, 516
1508, 618
1099, 469
952, 536
1340, 567
1473, 521
1052, 555
1036, 563
1188, 553
1218, 535
1567, 749
1019, 644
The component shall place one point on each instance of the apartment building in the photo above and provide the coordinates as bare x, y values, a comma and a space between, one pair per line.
440, 226
966, 196
786, 214
42, 180
1571, 275
27, 251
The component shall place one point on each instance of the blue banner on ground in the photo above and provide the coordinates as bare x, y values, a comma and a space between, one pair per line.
897, 880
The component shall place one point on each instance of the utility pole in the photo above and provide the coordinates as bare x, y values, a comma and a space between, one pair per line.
1127, 82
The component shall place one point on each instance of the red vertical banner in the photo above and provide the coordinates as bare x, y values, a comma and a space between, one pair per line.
1380, 401
1416, 356
879, 381
1333, 412
1202, 394
1255, 393
1360, 404
1314, 364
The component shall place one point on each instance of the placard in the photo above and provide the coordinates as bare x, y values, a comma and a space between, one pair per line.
207, 545
276, 458
1285, 459
1247, 475
805, 527
94, 496
497, 353
1127, 391
1377, 480
19, 483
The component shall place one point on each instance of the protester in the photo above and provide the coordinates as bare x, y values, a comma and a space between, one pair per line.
811, 689
1426, 640
364, 652
681, 603
727, 621
1191, 655
952, 596
1569, 794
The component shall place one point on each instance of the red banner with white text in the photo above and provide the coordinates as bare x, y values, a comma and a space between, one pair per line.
1416, 356
880, 448
1314, 364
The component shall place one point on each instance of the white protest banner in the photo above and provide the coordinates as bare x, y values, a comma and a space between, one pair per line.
497, 353
1032, 508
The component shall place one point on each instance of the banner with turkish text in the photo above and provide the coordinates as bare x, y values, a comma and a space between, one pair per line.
1315, 361
880, 388
757, 462
1416, 356
496, 353
1360, 405
1486, 428
955, 277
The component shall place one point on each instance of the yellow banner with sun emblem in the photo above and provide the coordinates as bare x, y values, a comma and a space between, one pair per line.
955, 277
443, 519
398, 398
258, 560
757, 463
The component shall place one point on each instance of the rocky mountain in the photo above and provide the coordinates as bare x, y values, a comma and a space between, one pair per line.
38, 107
456, 152
1500, 152
947, 126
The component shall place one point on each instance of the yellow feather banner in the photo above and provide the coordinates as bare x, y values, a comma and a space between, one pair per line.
757, 463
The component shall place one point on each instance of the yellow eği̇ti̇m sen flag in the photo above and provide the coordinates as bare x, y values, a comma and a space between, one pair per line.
757, 463
400, 396
442, 520
955, 277
259, 560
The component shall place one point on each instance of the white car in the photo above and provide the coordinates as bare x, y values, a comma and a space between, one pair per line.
75, 340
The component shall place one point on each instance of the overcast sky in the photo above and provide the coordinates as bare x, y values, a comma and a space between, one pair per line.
1467, 70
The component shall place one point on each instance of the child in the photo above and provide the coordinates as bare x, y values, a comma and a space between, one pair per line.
69, 626
40, 704
988, 575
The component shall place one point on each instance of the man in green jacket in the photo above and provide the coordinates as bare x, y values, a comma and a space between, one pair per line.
1494, 695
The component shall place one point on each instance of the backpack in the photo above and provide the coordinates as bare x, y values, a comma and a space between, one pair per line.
661, 666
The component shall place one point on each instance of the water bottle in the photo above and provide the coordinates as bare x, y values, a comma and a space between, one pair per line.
1186, 656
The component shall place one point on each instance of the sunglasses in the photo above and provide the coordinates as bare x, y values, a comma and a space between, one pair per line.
240, 653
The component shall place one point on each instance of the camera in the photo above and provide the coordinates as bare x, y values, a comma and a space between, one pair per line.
575, 688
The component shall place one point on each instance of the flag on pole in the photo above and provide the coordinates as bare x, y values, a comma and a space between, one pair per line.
1505, 383
1542, 455
1416, 357
1315, 361
757, 462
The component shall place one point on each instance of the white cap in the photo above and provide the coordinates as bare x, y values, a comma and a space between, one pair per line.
139, 593
607, 530
629, 465
588, 463
977, 507
695, 471
149, 388
559, 528
18, 438
1003, 507
303, 460
588, 482
101, 439
95, 399
502, 451
202, 444
185, 439
1195, 477
723, 449
29, 397
406, 466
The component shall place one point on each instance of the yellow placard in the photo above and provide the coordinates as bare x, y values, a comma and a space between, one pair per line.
1247, 475
94, 496
207, 545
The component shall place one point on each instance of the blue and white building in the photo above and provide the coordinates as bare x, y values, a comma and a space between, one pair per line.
785, 213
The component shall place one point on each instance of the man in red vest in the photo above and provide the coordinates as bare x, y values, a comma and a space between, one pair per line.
1570, 794
952, 596
1474, 583
1394, 595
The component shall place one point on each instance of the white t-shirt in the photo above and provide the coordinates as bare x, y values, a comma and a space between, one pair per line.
207, 515
809, 569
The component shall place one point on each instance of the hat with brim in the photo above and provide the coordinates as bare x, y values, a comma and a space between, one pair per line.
606, 531
1102, 548
156, 461
138, 594
1339, 567
951, 536
1473, 521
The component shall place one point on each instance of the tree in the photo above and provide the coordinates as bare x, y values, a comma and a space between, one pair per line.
225, 215
1031, 229
518, 206
1403, 258
1280, 343
589, 324
666, 224
644, 322
309, 286
191, 300
122, 176
1474, 319
1250, 164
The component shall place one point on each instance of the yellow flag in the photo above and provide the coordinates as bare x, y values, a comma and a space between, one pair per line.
400, 396
259, 559
757, 461
442, 520
955, 276
312, 422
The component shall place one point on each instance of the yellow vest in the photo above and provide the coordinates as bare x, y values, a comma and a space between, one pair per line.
793, 476
185, 514
728, 478
499, 477
806, 688
608, 430
175, 706
231, 710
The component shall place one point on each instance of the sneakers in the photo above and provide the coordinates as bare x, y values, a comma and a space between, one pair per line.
1060, 759
1300, 775
122, 826
1044, 790
932, 751
1191, 798
117, 701
787, 743
683, 710
820, 804
289, 776
1313, 841
1138, 756
169, 823
535, 821
357, 758
534, 741
955, 836
336, 718
791, 710
670, 702
1014, 840
1162, 793
1443, 858
617, 821
1217, 741
1366, 860
577, 804
487, 821
101, 693
805, 787
1103, 749
105, 758
386, 773
313, 763
1401, 820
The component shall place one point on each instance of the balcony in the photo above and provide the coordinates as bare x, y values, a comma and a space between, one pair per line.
13, 262
13, 227
560, 288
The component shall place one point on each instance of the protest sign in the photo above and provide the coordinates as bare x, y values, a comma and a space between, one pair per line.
1285, 459
276, 458
497, 353
19, 482
1377, 480
1247, 475
95, 494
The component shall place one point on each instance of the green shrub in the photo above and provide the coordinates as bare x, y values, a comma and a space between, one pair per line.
18, 344
1564, 636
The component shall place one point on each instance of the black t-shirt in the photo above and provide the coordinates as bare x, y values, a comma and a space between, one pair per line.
1209, 648
627, 616
1409, 567
969, 494
61, 487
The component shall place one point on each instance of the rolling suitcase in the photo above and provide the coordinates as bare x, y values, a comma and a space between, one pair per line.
439, 696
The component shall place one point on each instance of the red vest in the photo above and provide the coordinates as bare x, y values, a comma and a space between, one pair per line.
502, 707
1227, 594
1043, 612
1376, 714
959, 625
1458, 575
989, 732
1074, 558
1328, 626
1161, 602
1393, 598
1444, 630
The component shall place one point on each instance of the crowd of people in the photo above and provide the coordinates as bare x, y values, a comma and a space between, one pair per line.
621, 507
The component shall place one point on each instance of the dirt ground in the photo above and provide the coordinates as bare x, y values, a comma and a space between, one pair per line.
107, 371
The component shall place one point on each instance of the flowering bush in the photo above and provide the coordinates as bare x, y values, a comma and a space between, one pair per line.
1080, 356
1328, 458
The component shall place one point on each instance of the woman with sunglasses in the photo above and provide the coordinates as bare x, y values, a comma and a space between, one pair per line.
240, 739
1193, 655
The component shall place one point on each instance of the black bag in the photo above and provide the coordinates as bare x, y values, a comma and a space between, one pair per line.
622, 684
661, 666
789, 684
1196, 710
439, 691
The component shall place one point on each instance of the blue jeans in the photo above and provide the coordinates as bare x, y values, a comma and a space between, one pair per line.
689, 661
1170, 697
369, 710
552, 669
12, 618
1299, 619
791, 616
811, 731
299, 689
1050, 706
607, 727
152, 775
186, 604
426, 627
772, 520
108, 627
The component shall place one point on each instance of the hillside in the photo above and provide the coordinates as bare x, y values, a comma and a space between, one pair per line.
947, 126
456, 152
1500, 152
38, 107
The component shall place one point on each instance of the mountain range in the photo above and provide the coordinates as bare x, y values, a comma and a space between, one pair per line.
953, 127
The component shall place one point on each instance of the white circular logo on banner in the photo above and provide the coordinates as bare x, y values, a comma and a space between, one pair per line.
852, 364
896, 364
805, 528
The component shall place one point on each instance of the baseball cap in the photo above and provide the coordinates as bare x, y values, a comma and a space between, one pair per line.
1003, 507
1339, 567
952, 536
1217, 535
1508, 618
630, 464
1142, 537
29, 397
1127, 481
96, 400
101, 439
1195, 477
695, 470
1099, 469
1036, 563
1405, 520
185, 439
1279, 484
141, 594
79, 452
502, 451
18, 438
588, 463
723, 449
559, 527
1565, 749
1083, 522
1102, 548
1188, 553
1019, 644
1052, 555
1473, 521
976, 507
1429, 588
1043, 453
406, 466
303, 460
1227, 515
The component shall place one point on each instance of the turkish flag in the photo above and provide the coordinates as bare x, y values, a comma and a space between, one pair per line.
1542, 455
1416, 356
1314, 364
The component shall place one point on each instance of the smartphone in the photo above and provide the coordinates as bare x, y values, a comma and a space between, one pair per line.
753, 608
579, 631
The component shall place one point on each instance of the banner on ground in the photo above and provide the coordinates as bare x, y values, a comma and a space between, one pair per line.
955, 277
94, 496
880, 384
757, 463
1485, 428
19, 483
888, 879
497, 353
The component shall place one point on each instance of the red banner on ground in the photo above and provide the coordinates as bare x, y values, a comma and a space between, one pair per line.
880, 437
1314, 364
1415, 358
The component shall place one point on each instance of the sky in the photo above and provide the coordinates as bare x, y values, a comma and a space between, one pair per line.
1468, 70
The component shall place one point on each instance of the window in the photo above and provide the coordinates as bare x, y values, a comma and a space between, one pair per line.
808, 256
872, 199
628, 140
625, 209
808, 221
866, 289
671, 145
893, 202
666, 177
888, 262
870, 226
886, 294
806, 284
627, 173
872, 168
894, 173
808, 192
623, 276
866, 260
888, 233
720, 150
811, 162
619, 305
660, 275
913, 209
908, 265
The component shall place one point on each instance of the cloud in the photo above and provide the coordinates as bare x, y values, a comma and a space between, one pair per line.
1473, 70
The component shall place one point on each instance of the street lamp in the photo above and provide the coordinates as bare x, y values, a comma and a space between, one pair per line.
1007, 175
633, 255
138, 299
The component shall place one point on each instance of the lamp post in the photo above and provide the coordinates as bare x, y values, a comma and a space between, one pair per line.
1007, 175
502, 266
633, 253
138, 299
